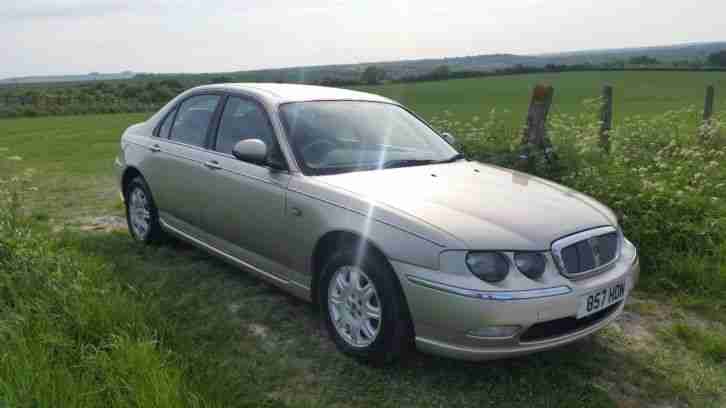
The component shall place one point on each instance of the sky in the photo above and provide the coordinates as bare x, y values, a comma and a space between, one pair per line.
58, 37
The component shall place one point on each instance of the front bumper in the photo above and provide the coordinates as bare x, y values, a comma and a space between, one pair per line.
445, 316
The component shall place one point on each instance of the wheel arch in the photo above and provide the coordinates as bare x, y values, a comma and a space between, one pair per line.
129, 174
333, 240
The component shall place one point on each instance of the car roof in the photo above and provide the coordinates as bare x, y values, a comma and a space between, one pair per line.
283, 93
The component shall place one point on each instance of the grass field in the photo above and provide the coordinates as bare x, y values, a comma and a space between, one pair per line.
73, 157
171, 326
636, 93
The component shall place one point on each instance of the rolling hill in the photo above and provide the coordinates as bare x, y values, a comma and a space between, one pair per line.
399, 69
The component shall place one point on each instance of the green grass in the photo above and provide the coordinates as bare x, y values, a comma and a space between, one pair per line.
709, 343
73, 158
636, 93
92, 319
170, 326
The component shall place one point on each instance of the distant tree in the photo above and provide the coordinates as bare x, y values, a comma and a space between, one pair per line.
373, 75
643, 60
221, 80
161, 94
101, 86
717, 59
172, 83
554, 67
681, 63
131, 92
617, 64
441, 72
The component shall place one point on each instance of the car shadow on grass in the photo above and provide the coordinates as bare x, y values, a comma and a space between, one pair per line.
240, 337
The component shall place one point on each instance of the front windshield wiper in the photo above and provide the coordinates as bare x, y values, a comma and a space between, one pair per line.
406, 163
419, 162
456, 157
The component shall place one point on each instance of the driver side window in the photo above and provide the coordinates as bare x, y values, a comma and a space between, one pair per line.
243, 119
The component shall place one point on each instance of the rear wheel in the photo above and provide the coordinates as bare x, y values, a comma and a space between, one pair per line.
365, 313
142, 215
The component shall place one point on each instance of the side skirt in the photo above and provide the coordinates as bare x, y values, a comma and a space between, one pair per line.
274, 279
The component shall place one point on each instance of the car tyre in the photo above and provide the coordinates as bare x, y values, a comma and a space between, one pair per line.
393, 331
142, 216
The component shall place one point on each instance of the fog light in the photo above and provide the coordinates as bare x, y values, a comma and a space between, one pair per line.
495, 331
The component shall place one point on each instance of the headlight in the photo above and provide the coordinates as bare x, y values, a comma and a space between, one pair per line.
488, 266
531, 264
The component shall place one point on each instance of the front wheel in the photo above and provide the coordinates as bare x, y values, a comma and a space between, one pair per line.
365, 313
142, 215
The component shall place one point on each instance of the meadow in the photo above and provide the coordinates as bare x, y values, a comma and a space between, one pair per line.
636, 93
88, 318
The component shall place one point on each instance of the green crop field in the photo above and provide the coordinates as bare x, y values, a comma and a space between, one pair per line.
636, 93
89, 318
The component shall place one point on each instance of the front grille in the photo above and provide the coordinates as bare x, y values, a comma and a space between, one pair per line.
564, 326
587, 252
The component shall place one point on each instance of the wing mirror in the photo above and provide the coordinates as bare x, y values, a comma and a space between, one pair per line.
251, 150
450, 139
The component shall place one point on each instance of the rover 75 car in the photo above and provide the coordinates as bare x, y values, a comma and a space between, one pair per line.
351, 201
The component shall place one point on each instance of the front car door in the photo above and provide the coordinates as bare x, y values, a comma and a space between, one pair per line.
246, 206
178, 169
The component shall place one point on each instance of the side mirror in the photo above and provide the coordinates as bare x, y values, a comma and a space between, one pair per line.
450, 139
251, 150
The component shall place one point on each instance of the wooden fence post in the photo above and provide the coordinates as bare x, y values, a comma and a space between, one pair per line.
535, 131
606, 117
708, 106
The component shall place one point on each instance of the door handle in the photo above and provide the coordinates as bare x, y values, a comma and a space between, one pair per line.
212, 165
155, 148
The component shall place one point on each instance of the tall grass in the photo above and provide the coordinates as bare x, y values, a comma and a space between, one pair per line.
665, 178
71, 335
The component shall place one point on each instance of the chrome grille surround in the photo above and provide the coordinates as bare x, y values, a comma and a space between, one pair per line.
585, 236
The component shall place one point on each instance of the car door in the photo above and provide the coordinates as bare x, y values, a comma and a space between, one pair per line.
246, 202
179, 155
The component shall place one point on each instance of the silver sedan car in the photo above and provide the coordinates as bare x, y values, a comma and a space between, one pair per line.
351, 201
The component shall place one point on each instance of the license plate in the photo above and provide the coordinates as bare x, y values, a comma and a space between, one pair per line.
600, 299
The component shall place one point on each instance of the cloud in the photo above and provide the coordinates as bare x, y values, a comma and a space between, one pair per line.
35, 9
65, 9
71, 36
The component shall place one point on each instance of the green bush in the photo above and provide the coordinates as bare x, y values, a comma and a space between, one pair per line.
87, 98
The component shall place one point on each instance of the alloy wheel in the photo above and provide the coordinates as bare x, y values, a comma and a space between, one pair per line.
139, 213
354, 306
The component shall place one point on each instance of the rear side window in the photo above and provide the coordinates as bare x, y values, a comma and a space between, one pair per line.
166, 125
193, 119
242, 119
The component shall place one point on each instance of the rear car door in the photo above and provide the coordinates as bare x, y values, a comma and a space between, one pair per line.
246, 202
178, 168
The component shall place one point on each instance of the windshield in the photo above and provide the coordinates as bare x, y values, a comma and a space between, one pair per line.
341, 136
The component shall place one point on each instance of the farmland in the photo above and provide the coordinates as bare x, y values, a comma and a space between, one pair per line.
89, 318
636, 93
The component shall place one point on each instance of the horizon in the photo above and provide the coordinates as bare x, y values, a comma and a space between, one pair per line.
565, 52
73, 37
